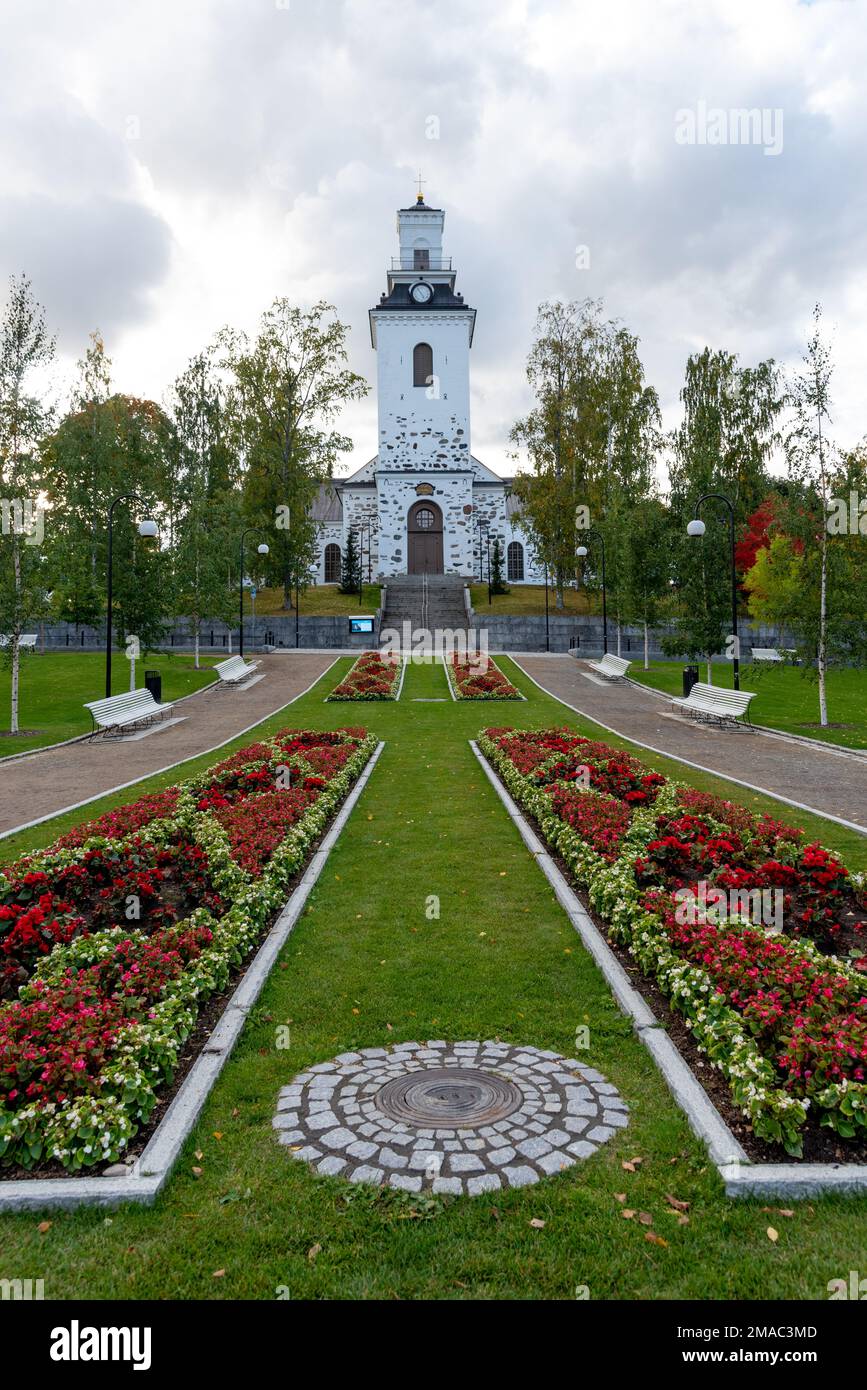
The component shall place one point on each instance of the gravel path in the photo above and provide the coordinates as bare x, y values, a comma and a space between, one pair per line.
49, 782
827, 781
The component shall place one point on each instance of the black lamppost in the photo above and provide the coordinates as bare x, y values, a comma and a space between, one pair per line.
263, 549
488, 545
481, 528
696, 527
148, 531
368, 527
582, 553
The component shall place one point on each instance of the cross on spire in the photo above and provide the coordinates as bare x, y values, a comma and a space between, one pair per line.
419, 197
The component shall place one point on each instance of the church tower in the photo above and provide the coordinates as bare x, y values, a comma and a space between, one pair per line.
422, 332
423, 504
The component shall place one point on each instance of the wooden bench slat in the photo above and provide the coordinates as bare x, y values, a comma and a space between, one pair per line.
116, 710
611, 665
722, 704
234, 669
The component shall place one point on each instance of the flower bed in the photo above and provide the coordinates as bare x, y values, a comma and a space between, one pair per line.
373, 677
671, 871
479, 679
112, 940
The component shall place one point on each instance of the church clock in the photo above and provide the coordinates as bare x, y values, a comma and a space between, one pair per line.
421, 293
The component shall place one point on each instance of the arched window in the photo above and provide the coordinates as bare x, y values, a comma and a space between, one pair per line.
424, 519
515, 561
332, 564
422, 364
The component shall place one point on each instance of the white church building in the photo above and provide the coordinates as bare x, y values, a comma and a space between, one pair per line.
424, 502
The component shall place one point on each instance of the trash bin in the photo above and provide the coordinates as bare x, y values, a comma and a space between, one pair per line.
690, 676
154, 683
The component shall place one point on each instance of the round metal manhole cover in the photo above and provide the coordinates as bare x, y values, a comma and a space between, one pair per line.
449, 1097
453, 1118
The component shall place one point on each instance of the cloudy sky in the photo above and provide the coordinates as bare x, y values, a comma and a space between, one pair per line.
169, 167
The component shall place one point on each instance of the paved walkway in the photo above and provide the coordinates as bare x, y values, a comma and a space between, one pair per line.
43, 784
827, 781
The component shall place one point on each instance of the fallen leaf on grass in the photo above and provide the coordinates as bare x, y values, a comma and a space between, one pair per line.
628, 1213
198, 1154
43, 1227
655, 1239
620, 1196
773, 1235
674, 1202
537, 1224
630, 1164
645, 1218
197, 1172
218, 1274
218, 1134
313, 1252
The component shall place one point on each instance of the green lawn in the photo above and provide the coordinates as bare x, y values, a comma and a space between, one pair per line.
320, 600
365, 967
55, 687
787, 697
530, 598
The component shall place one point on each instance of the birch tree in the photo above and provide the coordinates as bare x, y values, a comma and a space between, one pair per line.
26, 350
288, 387
810, 456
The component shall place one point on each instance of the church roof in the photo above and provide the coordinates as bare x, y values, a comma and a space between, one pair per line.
326, 505
444, 297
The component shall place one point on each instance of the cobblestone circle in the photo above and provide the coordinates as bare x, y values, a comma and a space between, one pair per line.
460, 1118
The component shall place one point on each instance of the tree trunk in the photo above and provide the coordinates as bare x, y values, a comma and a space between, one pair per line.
822, 653
619, 639
229, 642
709, 679
132, 674
14, 638
646, 648
16, 662
197, 646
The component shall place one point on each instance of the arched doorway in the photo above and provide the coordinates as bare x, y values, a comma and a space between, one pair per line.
424, 538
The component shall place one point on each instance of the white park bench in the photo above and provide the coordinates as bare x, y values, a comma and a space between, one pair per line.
26, 642
123, 711
234, 670
773, 654
710, 702
613, 667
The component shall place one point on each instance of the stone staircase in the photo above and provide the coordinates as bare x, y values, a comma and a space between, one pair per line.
405, 598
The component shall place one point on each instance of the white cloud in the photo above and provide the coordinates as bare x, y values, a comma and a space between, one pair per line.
270, 146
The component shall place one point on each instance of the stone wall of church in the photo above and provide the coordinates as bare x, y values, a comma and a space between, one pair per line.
423, 427
360, 505
327, 533
453, 494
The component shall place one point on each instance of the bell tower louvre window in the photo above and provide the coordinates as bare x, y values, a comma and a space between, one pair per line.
422, 364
